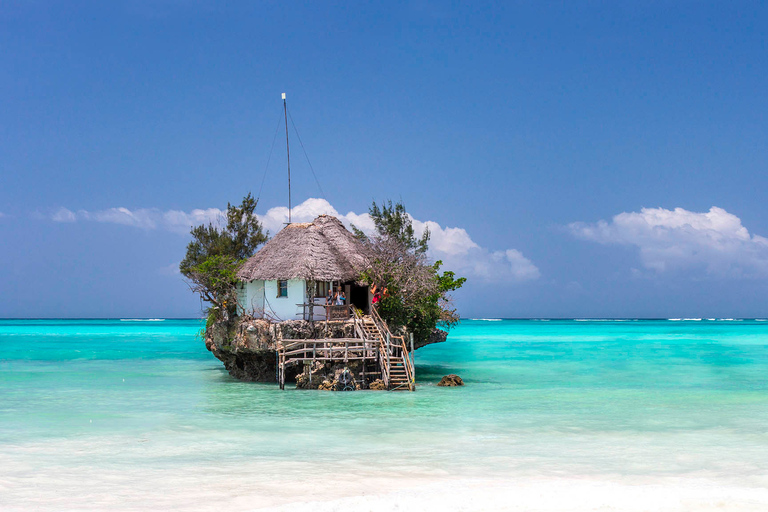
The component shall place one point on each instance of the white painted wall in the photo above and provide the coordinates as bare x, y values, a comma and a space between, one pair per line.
285, 308
260, 296
242, 296
253, 300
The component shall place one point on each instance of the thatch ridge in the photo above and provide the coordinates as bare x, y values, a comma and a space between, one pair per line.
323, 250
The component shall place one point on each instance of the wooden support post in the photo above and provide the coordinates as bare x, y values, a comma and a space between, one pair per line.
413, 366
413, 359
386, 352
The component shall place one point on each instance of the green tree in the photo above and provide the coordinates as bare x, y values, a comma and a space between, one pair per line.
393, 222
418, 295
239, 239
214, 255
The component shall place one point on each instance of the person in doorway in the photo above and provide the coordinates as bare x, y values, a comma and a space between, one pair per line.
340, 297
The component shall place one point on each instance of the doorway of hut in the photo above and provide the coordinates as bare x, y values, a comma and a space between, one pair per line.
358, 297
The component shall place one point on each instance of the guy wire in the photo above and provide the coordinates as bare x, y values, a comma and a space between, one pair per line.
306, 156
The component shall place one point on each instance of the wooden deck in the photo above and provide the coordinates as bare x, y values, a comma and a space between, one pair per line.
373, 343
331, 314
328, 349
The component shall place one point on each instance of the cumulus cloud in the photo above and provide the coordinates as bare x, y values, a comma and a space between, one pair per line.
713, 241
452, 245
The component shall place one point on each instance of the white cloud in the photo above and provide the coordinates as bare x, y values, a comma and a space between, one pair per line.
714, 241
276, 218
461, 254
144, 218
452, 245
64, 215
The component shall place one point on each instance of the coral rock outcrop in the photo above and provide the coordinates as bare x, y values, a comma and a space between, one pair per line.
247, 347
451, 381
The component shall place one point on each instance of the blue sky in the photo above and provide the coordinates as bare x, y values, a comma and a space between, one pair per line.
568, 155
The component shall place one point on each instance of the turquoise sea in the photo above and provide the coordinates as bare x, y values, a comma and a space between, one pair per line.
555, 415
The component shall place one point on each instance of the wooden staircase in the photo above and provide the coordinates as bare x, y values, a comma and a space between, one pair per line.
398, 376
372, 345
394, 360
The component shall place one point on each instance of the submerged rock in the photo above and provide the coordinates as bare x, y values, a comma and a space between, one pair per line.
450, 381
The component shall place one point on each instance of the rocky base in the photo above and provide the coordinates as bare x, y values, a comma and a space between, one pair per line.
436, 336
332, 377
451, 381
247, 347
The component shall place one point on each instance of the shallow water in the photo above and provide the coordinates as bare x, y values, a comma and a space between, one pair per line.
108, 414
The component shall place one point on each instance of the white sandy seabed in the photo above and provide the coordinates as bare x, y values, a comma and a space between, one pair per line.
252, 492
550, 495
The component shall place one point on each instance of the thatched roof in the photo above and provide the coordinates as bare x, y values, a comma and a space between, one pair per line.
323, 250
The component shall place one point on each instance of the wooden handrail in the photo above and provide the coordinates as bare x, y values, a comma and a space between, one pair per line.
408, 366
380, 323
384, 330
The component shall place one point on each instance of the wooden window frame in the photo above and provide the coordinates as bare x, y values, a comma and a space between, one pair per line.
280, 289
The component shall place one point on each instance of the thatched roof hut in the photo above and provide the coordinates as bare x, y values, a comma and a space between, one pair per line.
321, 250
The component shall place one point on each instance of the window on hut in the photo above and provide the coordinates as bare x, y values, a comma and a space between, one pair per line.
282, 288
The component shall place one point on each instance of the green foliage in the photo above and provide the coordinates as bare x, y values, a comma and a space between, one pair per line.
447, 282
218, 274
243, 229
207, 241
422, 312
394, 223
418, 295
239, 239
216, 254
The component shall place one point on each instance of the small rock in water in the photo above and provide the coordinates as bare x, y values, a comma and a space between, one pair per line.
451, 380
327, 385
377, 385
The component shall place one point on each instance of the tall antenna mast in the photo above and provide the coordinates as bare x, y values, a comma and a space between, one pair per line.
288, 150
